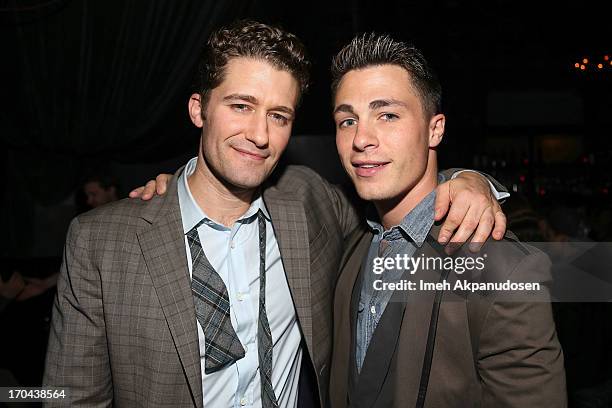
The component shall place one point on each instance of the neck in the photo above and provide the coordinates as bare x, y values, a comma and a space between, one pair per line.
220, 201
393, 211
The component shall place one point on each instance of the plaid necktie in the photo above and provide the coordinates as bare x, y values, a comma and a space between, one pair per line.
222, 346
212, 310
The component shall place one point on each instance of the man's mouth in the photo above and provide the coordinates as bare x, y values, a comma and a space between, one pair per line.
368, 168
250, 154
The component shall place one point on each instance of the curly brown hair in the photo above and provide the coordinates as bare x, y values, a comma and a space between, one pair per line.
246, 38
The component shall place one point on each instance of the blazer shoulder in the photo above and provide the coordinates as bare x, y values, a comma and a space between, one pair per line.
298, 178
119, 215
510, 247
523, 249
510, 258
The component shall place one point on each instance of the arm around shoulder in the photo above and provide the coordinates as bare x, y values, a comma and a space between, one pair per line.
501, 189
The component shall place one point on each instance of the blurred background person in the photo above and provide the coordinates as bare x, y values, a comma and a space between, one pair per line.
100, 188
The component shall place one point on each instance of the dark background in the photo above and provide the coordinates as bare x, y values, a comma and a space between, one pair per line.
104, 84
90, 84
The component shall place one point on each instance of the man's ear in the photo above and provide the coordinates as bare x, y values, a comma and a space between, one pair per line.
195, 110
436, 129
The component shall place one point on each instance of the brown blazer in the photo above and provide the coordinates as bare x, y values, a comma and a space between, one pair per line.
518, 360
124, 327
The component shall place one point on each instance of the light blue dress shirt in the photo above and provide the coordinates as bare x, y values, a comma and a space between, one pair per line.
234, 253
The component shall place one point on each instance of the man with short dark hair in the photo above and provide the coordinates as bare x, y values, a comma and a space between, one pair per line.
220, 292
100, 189
400, 347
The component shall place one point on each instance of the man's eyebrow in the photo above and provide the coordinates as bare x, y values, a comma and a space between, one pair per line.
382, 103
285, 109
344, 108
241, 97
255, 101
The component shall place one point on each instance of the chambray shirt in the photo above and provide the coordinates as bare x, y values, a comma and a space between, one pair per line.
234, 253
401, 239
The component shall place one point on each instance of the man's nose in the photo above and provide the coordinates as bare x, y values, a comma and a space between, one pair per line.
365, 137
258, 131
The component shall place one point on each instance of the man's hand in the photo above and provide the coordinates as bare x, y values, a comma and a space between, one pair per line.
473, 210
36, 286
153, 187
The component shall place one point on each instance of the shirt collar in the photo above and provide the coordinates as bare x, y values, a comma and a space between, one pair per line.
416, 224
192, 214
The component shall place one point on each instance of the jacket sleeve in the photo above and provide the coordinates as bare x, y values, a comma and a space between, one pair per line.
519, 360
499, 186
77, 355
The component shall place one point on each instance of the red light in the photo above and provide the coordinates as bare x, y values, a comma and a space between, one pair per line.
585, 60
577, 65
600, 66
522, 178
582, 67
604, 190
606, 57
542, 191
525, 162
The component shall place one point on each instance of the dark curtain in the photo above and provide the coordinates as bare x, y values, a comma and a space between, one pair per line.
88, 81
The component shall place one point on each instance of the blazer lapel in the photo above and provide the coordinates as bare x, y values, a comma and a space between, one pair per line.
415, 326
344, 317
353, 281
163, 248
291, 230
356, 277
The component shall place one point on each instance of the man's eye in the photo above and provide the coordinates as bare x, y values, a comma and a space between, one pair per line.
347, 123
240, 107
389, 117
280, 119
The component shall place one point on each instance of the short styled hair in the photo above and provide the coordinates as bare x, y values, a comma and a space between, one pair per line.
371, 49
246, 38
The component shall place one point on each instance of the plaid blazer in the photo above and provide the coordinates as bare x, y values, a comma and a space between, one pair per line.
124, 328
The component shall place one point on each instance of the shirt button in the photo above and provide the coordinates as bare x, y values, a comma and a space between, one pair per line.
240, 296
243, 401
373, 309
232, 245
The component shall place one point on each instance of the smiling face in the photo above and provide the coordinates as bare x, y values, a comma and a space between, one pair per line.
384, 138
246, 122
